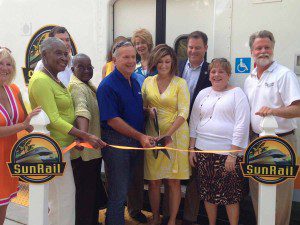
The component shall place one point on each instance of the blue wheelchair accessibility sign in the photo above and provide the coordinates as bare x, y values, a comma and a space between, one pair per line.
242, 65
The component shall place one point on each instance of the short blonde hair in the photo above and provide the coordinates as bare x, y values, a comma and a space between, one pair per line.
223, 62
145, 35
5, 54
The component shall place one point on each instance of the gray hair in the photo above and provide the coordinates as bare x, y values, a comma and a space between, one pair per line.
261, 34
115, 51
49, 42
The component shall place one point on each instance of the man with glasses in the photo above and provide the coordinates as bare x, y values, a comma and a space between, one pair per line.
122, 123
62, 34
273, 89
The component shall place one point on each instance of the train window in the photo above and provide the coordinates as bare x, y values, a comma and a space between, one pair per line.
180, 47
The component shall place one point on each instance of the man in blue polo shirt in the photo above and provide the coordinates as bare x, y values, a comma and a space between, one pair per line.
122, 121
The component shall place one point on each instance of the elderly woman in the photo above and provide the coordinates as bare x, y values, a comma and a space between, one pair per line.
13, 118
220, 121
142, 41
169, 95
47, 91
86, 162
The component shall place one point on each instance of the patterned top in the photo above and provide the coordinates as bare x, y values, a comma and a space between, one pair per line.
57, 103
86, 105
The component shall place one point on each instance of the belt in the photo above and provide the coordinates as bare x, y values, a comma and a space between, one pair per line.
282, 134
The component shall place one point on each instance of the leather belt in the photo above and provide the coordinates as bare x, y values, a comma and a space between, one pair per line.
281, 134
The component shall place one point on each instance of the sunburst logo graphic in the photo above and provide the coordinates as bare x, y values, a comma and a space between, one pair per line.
270, 160
36, 158
33, 54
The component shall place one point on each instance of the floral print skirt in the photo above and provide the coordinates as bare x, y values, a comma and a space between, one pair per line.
215, 184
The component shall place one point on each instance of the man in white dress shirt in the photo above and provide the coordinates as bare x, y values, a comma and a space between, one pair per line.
62, 34
273, 89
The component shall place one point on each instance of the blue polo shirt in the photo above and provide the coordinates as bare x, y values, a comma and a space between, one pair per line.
116, 98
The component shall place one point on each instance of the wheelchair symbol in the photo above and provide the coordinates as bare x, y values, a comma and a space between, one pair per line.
241, 68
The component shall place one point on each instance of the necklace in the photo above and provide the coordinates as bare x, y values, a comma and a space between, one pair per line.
202, 114
54, 78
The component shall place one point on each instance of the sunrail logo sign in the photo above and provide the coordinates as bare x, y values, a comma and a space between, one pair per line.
36, 158
33, 54
270, 160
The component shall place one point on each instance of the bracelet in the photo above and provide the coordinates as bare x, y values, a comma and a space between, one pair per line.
191, 148
232, 155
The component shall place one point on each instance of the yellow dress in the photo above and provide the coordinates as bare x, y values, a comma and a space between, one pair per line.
173, 102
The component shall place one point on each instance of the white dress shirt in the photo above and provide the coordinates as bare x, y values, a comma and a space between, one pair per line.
191, 75
277, 87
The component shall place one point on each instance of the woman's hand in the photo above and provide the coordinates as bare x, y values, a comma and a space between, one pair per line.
95, 141
26, 122
230, 163
192, 158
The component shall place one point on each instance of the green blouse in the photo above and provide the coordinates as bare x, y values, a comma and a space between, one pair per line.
86, 105
57, 103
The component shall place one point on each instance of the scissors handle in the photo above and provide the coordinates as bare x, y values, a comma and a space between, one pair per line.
156, 122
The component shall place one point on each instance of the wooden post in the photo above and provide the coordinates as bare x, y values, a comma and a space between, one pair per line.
38, 193
267, 193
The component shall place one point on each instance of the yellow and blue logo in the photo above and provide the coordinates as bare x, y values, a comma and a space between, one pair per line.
36, 158
270, 160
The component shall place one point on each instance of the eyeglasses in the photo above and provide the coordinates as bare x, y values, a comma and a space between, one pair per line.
83, 68
121, 44
5, 48
220, 59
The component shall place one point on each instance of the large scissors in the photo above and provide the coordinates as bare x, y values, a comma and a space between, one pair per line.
161, 142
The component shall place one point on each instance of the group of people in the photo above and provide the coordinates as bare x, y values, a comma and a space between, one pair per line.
137, 103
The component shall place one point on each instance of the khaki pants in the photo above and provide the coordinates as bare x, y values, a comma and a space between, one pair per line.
284, 192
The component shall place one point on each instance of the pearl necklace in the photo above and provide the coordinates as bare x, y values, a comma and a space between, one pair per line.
54, 78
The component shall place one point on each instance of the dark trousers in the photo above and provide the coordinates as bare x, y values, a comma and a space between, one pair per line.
90, 193
121, 169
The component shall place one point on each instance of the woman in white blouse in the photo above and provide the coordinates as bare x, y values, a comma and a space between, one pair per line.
220, 120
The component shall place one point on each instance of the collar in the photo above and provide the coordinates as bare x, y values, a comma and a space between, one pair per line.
271, 68
75, 80
190, 65
120, 76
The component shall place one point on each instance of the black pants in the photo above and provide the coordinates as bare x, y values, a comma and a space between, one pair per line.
90, 193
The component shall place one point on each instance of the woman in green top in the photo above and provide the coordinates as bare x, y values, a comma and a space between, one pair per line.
46, 90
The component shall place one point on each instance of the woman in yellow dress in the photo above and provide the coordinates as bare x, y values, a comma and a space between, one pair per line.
169, 96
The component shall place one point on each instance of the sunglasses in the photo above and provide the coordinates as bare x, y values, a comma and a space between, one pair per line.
220, 59
5, 48
121, 44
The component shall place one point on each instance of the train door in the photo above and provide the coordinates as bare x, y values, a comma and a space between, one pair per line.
169, 21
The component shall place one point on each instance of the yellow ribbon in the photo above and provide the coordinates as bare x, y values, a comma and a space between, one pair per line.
87, 145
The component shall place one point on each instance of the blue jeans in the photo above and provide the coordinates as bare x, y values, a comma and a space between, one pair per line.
120, 165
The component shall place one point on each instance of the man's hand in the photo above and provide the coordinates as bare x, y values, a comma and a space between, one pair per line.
265, 111
147, 141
